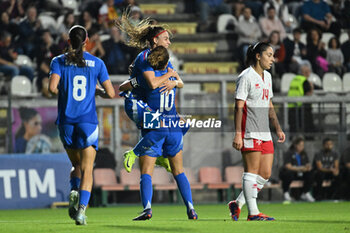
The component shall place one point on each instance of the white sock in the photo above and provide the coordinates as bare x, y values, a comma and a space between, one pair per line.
261, 182
250, 192
241, 199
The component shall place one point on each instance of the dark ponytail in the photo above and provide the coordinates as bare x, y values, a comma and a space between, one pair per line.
258, 48
77, 36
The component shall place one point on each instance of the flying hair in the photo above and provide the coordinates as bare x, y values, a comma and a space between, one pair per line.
141, 35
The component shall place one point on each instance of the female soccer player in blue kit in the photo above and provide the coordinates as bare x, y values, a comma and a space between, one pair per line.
143, 36
73, 77
140, 36
253, 110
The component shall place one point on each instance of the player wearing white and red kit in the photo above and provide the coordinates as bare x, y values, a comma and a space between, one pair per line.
256, 93
253, 111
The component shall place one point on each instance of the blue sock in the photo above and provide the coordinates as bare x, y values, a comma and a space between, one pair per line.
185, 190
84, 197
146, 190
74, 183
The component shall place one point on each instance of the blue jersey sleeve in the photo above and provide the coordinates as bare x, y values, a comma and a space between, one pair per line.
145, 66
55, 67
103, 74
170, 65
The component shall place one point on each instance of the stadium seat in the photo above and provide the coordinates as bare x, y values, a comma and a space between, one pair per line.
105, 181
70, 4
285, 81
182, 27
346, 82
293, 21
48, 22
21, 86
233, 176
210, 67
343, 37
290, 36
332, 82
162, 181
60, 20
104, 176
24, 60
105, 37
211, 177
326, 36
193, 179
194, 47
315, 79
303, 38
131, 181
223, 21
161, 8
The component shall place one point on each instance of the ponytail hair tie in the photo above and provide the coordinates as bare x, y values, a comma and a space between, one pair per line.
255, 45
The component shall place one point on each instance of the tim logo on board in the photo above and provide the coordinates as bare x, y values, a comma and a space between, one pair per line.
151, 120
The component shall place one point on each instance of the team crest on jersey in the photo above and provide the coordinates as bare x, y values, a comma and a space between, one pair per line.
151, 120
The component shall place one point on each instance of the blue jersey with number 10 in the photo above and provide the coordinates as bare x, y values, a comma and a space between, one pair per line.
77, 86
163, 102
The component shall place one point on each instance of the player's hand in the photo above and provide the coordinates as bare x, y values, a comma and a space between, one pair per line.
172, 72
100, 92
237, 142
281, 136
167, 86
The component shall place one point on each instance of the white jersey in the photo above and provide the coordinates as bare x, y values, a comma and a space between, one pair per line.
257, 93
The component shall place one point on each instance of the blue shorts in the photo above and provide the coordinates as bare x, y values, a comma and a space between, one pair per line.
79, 135
164, 141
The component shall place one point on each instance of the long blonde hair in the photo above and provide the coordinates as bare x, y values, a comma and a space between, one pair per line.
142, 34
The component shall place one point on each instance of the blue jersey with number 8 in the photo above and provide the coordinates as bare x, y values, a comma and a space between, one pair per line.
77, 86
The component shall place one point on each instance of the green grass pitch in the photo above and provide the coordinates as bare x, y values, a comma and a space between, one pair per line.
295, 217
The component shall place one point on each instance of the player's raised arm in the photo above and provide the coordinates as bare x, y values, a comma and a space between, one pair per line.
154, 82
